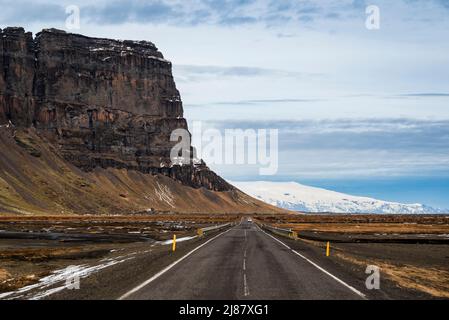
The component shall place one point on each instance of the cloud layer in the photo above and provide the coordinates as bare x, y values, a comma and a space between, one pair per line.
212, 12
349, 148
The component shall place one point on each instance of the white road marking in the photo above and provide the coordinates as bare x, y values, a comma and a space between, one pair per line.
245, 286
331, 275
318, 267
275, 239
160, 273
245, 282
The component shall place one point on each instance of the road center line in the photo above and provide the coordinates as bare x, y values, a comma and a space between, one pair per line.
160, 273
245, 282
318, 267
245, 286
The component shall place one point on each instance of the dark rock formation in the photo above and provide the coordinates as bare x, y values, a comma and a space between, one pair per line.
103, 103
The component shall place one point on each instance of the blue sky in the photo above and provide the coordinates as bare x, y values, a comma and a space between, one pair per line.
359, 111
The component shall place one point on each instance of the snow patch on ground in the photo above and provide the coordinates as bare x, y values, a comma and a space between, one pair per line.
177, 240
164, 194
57, 280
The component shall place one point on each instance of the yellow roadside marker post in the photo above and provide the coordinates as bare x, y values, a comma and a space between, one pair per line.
294, 235
174, 243
328, 249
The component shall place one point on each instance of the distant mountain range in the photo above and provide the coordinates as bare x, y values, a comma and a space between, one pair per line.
298, 197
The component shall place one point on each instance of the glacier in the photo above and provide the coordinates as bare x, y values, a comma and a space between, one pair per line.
298, 197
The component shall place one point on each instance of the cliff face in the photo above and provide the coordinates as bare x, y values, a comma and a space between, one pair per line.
17, 62
102, 103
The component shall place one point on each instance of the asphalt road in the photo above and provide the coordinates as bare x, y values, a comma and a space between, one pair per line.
244, 263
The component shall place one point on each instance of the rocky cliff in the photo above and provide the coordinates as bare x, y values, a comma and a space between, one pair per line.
102, 103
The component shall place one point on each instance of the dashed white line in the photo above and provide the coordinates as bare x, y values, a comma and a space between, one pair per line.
245, 282
245, 286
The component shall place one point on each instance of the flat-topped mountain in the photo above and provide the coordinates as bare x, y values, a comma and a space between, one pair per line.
95, 103
105, 103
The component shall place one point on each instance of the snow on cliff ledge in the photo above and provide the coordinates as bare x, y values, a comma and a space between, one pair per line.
298, 197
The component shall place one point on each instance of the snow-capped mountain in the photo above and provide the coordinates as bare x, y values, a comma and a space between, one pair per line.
298, 197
